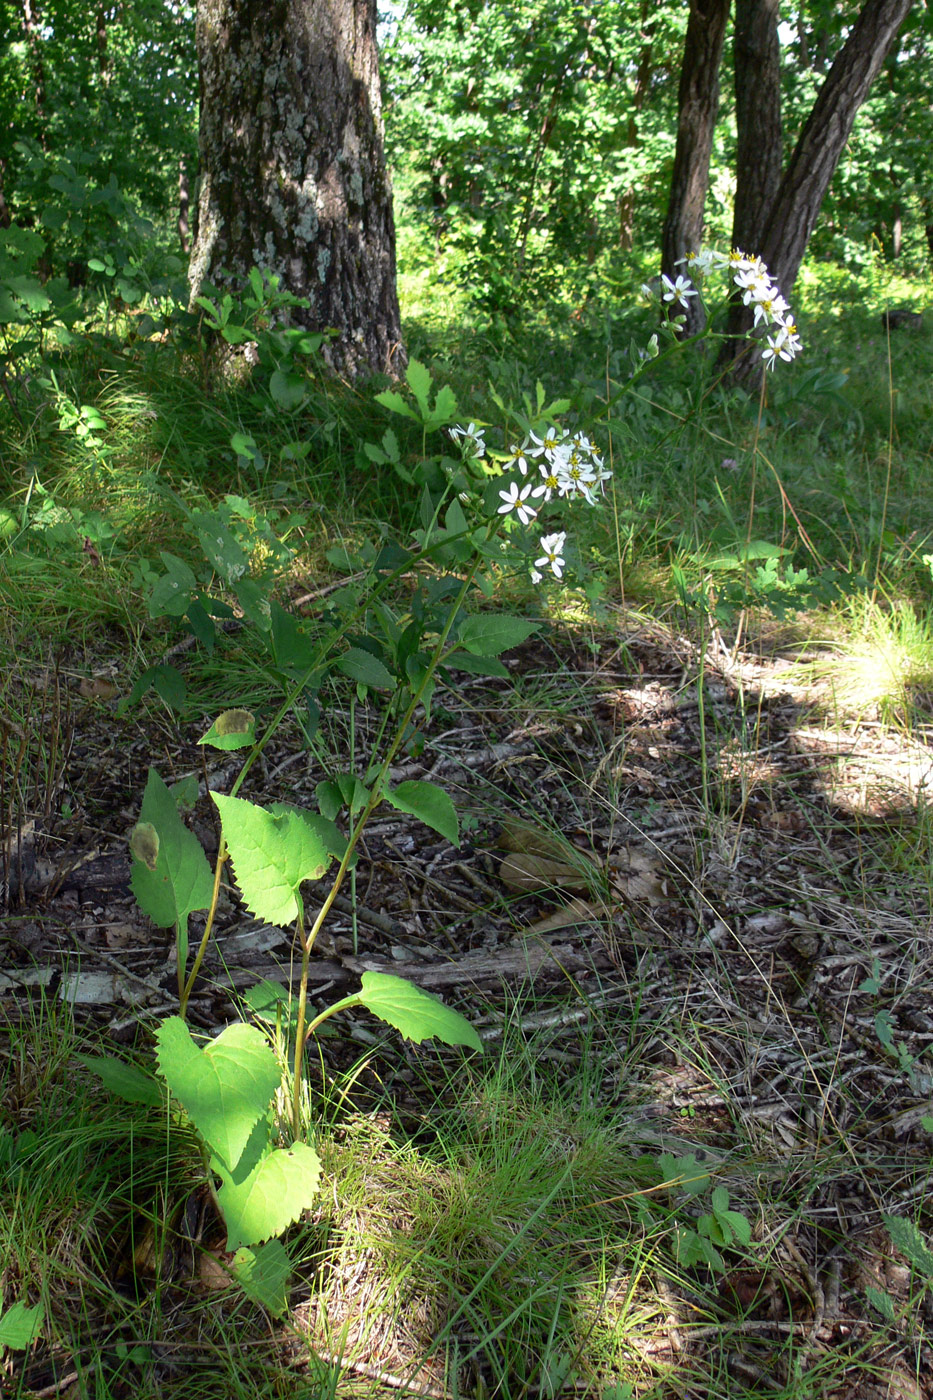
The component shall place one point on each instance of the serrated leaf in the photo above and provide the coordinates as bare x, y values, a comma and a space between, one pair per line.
415, 1013
19, 1326
908, 1240
489, 634
128, 1082
881, 1301
224, 1088
445, 407
430, 804
477, 665
418, 378
263, 1274
364, 668
180, 881
389, 399
274, 850
232, 729
280, 1187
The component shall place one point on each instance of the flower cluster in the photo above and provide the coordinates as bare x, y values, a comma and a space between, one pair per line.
556, 463
751, 277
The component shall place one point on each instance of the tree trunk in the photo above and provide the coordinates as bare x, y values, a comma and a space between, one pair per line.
639, 93
759, 151
823, 138
789, 218
293, 175
698, 100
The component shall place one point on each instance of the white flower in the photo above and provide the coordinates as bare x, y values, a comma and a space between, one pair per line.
678, 291
536, 577
518, 501
517, 458
553, 549
552, 441
785, 344
551, 481
702, 263
472, 439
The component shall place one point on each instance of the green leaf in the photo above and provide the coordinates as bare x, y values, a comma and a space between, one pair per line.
263, 1275
19, 1326
128, 1082
908, 1240
445, 407
171, 594
430, 804
178, 880
418, 377
280, 1187
289, 391
364, 668
881, 1301
224, 1088
489, 634
232, 729
415, 1013
273, 851
393, 401
476, 665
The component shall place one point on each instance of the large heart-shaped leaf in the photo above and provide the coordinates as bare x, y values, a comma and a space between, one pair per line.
225, 1088
277, 1190
274, 849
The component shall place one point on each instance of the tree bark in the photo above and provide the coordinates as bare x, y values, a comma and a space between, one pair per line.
760, 149
797, 203
293, 174
698, 101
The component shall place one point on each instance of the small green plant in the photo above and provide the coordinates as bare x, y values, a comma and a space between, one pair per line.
907, 1238
228, 1090
719, 1228
19, 1326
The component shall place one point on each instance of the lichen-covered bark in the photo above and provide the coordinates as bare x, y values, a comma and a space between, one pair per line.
293, 175
698, 100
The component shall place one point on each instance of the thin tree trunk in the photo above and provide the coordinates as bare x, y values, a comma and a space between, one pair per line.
698, 101
184, 204
640, 92
760, 148
823, 138
293, 174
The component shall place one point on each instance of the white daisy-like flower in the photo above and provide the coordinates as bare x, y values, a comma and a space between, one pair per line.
700, 264
517, 458
678, 290
551, 481
552, 547
517, 500
551, 441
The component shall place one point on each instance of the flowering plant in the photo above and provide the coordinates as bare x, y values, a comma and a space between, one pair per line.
758, 291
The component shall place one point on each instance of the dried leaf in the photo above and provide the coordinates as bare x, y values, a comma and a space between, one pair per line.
578, 911
97, 688
530, 874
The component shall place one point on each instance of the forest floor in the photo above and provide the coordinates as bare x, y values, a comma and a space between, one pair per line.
701, 855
